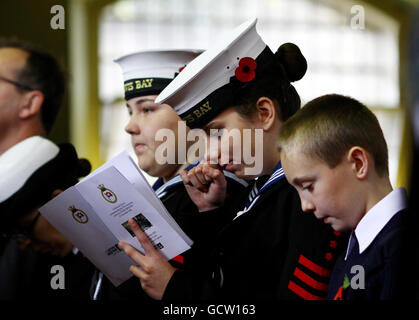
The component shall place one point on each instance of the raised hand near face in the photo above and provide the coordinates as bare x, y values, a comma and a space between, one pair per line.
206, 186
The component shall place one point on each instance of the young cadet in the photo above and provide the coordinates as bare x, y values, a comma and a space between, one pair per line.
334, 153
145, 75
270, 249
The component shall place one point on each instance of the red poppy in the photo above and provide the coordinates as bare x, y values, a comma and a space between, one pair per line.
333, 244
245, 72
329, 256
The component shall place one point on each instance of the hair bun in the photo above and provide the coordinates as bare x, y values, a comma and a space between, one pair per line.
292, 60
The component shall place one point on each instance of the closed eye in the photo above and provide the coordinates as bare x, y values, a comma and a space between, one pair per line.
148, 110
307, 187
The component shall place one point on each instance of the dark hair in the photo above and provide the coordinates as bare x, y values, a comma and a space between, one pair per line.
328, 126
275, 83
41, 72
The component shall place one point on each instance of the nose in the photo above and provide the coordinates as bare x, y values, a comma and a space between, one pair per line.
212, 150
306, 205
132, 126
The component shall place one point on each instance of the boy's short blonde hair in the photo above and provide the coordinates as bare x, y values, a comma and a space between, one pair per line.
328, 126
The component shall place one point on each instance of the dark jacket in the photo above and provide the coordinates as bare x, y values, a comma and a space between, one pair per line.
382, 265
273, 251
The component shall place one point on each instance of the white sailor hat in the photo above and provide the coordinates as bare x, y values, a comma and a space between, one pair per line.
149, 72
31, 170
210, 82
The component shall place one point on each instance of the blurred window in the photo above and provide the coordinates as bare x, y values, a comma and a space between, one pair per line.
344, 55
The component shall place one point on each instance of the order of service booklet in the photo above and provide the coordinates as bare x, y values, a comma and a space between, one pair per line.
94, 215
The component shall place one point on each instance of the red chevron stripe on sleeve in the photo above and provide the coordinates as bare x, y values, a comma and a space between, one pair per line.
314, 267
310, 281
302, 292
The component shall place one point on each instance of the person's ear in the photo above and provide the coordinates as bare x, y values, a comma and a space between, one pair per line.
266, 112
31, 104
359, 160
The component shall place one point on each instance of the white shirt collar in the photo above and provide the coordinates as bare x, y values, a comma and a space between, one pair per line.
377, 217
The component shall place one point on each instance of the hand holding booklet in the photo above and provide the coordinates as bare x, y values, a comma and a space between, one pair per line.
94, 215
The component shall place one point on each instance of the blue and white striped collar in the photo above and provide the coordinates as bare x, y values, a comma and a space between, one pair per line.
277, 174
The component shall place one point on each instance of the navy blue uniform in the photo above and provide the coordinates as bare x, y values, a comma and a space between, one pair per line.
381, 261
271, 250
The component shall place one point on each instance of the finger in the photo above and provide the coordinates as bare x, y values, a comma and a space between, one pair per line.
196, 183
184, 175
141, 275
200, 176
142, 237
207, 178
216, 175
131, 252
212, 173
138, 272
213, 165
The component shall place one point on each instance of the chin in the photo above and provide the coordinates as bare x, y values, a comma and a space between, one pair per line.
150, 171
146, 168
339, 227
145, 164
154, 169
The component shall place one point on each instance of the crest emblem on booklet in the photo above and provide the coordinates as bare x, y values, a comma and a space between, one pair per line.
107, 194
78, 215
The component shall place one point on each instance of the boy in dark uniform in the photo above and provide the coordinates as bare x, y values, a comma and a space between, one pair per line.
270, 249
335, 154
145, 75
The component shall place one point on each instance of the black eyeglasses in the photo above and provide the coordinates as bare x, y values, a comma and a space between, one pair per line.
17, 84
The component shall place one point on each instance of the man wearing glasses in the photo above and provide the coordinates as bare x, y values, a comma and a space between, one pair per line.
33, 170
31, 92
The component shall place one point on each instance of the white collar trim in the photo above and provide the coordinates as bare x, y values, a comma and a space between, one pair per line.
19, 162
